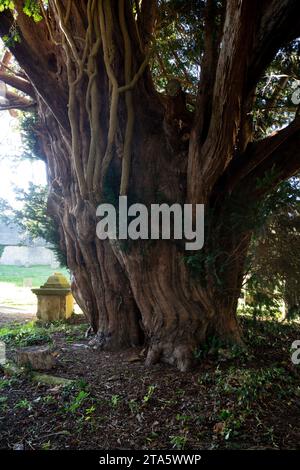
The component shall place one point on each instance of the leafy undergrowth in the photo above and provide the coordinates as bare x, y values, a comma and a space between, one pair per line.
33, 333
237, 399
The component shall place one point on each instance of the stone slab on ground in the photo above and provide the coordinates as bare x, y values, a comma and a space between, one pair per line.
52, 380
11, 369
36, 357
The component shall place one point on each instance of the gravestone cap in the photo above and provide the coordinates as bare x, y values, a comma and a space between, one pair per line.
56, 284
56, 280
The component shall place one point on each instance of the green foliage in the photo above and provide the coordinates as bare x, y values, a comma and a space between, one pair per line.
250, 385
245, 389
24, 335
178, 442
77, 402
33, 218
13, 35
274, 256
273, 262
1, 250
24, 405
11, 39
6, 4
34, 333
29, 124
200, 263
46, 445
221, 350
238, 217
133, 406
179, 43
33, 10
183, 418
115, 400
5, 211
149, 393
273, 107
3, 405
263, 300
179, 50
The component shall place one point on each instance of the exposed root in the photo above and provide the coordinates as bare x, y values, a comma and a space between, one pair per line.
181, 356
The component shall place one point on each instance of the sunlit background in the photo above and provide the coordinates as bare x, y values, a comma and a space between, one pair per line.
14, 170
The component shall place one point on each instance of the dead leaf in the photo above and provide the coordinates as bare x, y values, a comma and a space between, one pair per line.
219, 427
133, 358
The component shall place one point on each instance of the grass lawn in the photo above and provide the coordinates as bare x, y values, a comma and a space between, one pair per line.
34, 275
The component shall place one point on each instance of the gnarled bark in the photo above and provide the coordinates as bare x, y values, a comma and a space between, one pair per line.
105, 130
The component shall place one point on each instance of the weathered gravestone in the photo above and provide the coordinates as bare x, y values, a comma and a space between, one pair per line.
55, 301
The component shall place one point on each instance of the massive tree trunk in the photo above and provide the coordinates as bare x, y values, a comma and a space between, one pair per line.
106, 132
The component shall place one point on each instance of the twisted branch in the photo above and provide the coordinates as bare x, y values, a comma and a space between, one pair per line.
126, 161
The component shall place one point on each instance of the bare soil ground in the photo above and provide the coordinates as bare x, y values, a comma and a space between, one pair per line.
231, 399
10, 315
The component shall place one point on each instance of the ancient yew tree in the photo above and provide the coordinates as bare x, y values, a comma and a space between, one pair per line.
156, 100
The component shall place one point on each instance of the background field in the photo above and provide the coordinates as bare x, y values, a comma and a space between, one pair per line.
16, 283
20, 276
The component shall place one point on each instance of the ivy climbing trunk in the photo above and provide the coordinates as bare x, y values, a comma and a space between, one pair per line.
106, 131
